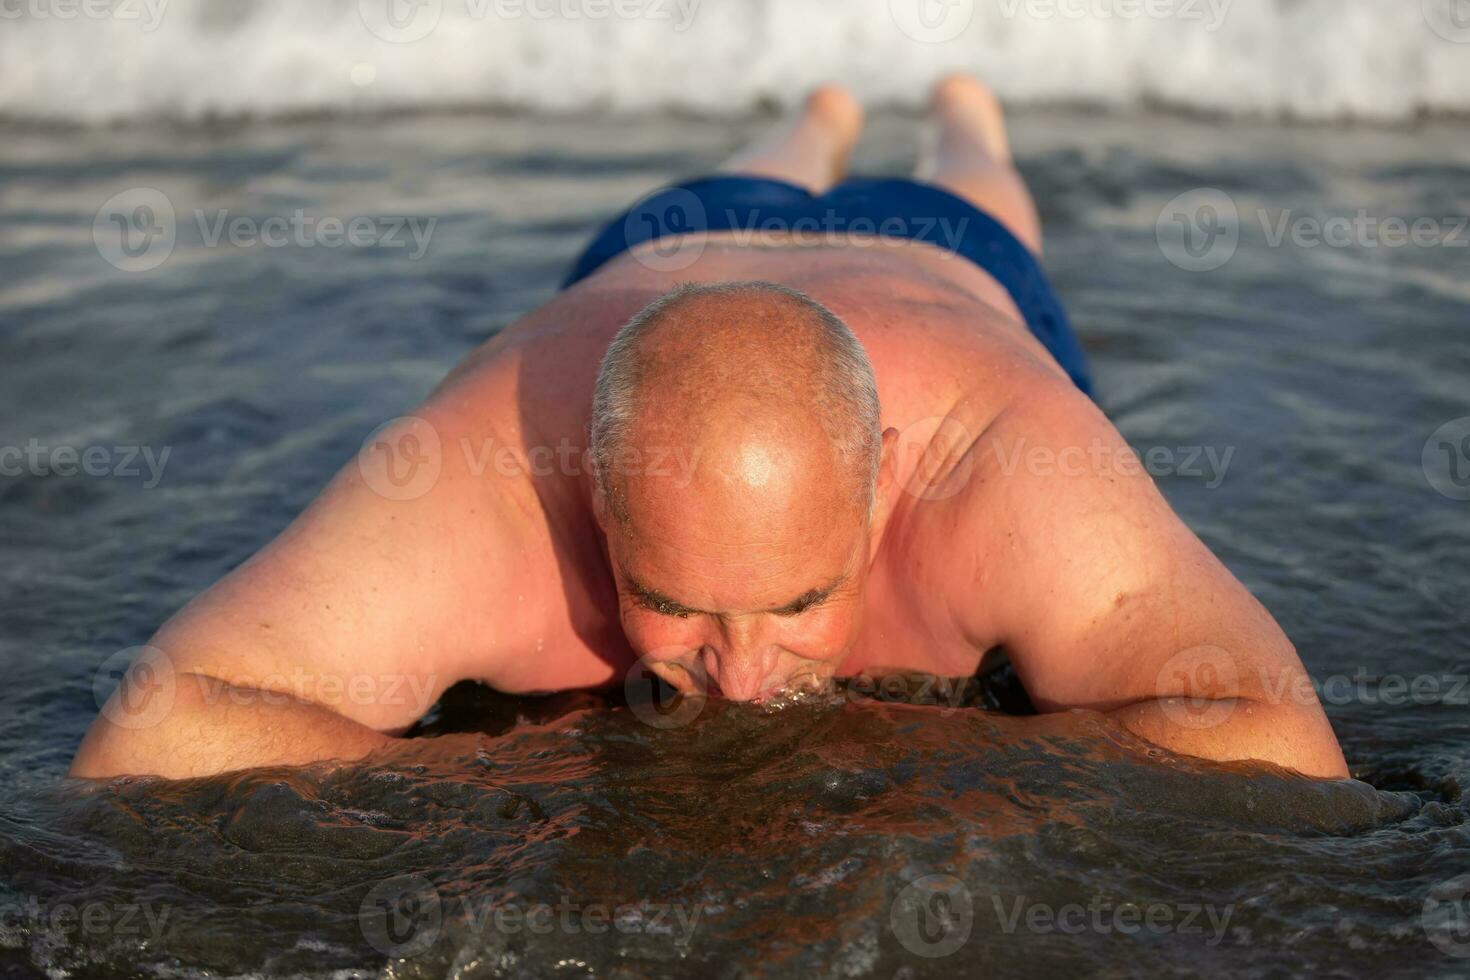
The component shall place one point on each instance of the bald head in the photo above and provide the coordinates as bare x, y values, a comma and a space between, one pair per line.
769, 392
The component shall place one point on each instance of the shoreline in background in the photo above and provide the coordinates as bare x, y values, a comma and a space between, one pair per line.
1323, 60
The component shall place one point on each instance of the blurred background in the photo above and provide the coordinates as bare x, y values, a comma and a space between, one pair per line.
97, 60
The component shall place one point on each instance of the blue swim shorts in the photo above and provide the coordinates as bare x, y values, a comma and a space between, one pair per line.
892, 207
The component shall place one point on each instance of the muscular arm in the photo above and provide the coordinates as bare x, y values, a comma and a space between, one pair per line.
340, 633
1107, 601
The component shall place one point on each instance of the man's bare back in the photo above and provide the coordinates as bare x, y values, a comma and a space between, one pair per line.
1011, 515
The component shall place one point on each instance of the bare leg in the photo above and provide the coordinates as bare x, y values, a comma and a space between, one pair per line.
966, 153
809, 150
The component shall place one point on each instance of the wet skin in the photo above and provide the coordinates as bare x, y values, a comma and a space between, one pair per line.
1006, 516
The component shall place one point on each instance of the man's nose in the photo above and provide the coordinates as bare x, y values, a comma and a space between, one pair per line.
741, 673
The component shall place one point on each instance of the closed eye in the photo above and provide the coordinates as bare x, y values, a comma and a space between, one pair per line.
803, 603
664, 607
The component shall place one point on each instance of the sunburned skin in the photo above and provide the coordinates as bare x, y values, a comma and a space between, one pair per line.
764, 559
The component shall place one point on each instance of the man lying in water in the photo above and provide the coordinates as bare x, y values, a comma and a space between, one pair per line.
811, 455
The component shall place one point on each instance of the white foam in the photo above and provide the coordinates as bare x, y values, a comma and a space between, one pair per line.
97, 60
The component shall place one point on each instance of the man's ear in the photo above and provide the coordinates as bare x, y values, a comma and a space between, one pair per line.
885, 492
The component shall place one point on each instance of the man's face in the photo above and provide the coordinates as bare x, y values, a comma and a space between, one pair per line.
750, 577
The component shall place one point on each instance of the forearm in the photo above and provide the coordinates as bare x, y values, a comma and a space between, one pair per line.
1290, 735
210, 727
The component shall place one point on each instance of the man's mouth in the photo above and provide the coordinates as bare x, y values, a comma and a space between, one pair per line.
801, 687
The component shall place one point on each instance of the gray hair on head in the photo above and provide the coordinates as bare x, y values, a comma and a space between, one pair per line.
845, 392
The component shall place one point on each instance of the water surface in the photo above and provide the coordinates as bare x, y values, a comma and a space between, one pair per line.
857, 837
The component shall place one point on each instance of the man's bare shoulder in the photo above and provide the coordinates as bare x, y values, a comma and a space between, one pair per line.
566, 332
